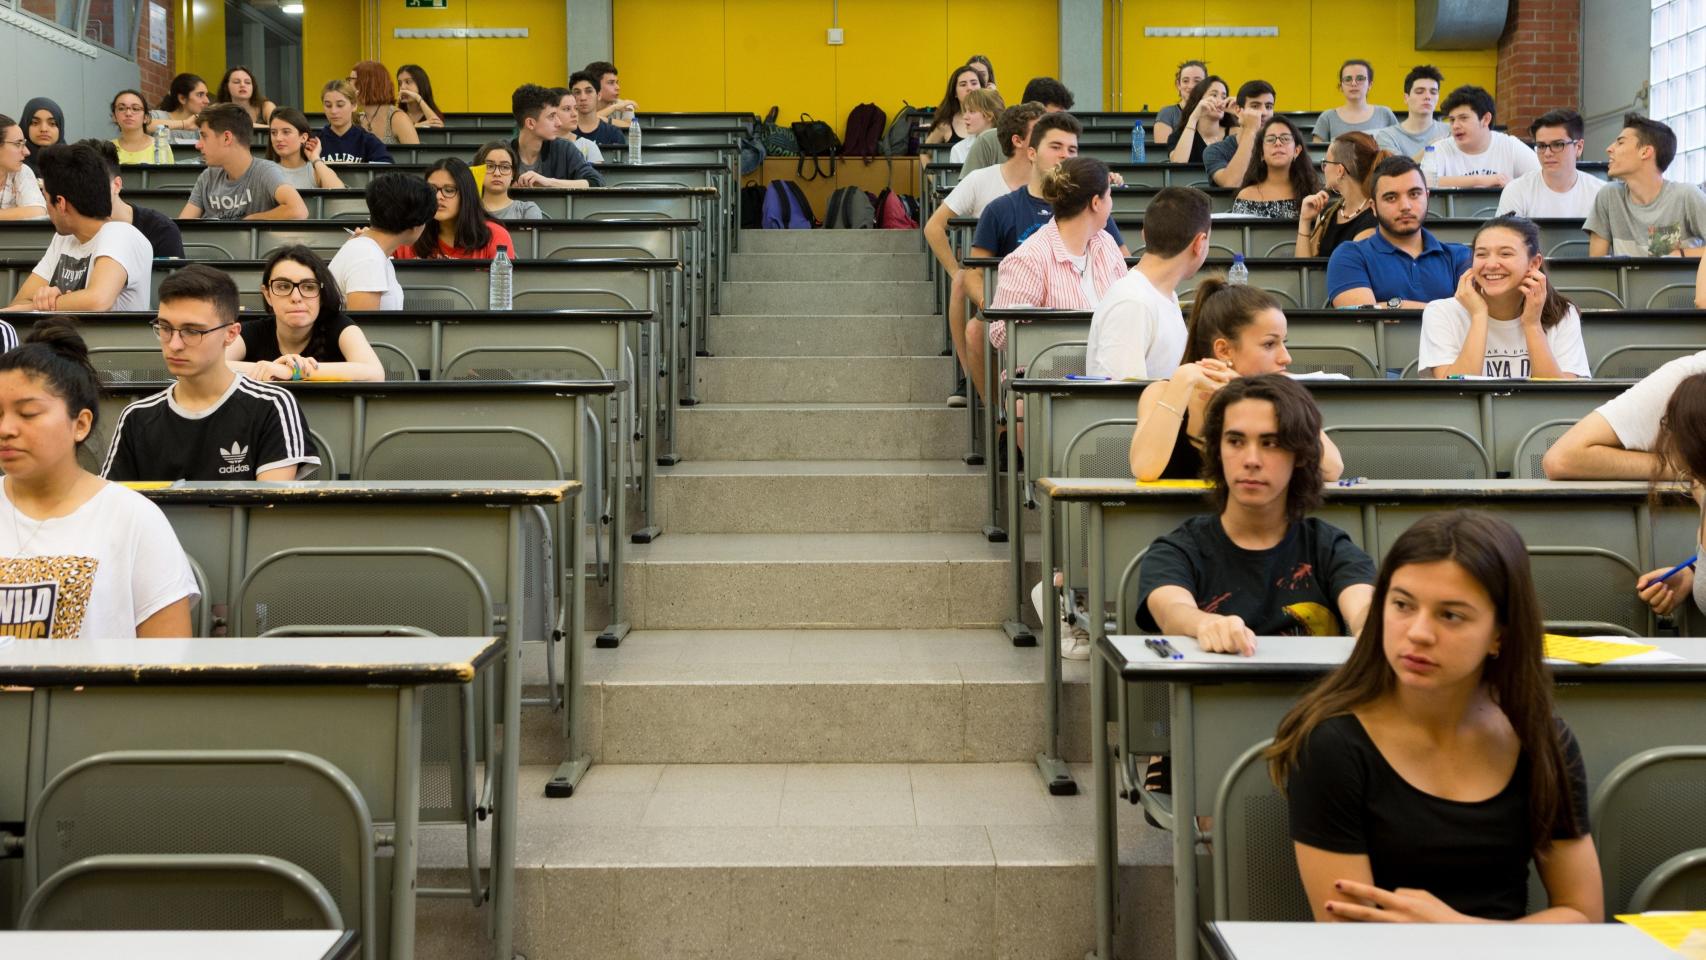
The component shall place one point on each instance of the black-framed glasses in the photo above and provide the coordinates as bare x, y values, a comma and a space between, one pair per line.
1554, 146
281, 287
448, 191
191, 335
1278, 140
500, 168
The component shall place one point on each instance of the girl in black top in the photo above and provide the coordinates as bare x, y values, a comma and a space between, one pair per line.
946, 124
1208, 117
1425, 773
306, 335
1324, 222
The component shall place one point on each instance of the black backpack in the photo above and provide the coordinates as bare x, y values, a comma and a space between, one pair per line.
864, 131
752, 205
816, 140
850, 208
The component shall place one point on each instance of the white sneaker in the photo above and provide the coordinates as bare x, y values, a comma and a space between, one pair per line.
956, 400
1074, 642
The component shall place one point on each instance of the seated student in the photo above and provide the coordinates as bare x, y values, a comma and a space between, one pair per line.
1476, 155
20, 194
587, 124
101, 559
1419, 129
542, 158
1619, 440
211, 423
1226, 162
1071, 260
414, 96
1172, 116
611, 106
185, 99
947, 122
1402, 265
1348, 170
1207, 122
292, 145
1643, 214
378, 103
162, 231
1281, 175
565, 116
1259, 566
1137, 331
981, 109
499, 165
1356, 79
44, 126
306, 335
236, 185
399, 207
1427, 772
1507, 320
1234, 332
464, 231
1680, 449
93, 263
985, 69
134, 145
238, 86
343, 139
986, 149
1557, 189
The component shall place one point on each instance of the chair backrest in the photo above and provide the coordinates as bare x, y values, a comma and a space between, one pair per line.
181, 892
1636, 360
524, 363
1102, 449
1677, 884
397, 362
1645, 812
423, 587
1255, 865
1411, 453
1531, 449
328, 461
1057, 361
1589, 585
1345, 360
1672, 296
461, 453
130, 365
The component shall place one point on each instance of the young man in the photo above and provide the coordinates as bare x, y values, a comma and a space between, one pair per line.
1557, 189
1402, 266
236, 185
1421, 93
94, 262
1138, 331
986, 147
611, 106
399, 206
1617, 440
1228, 160
541, 158
1643, 214
212, 423
162, 232
1477, 155
565, 116
587, 123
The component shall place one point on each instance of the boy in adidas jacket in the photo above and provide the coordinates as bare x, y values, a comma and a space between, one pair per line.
212, 423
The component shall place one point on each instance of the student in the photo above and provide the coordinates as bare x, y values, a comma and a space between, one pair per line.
1402, 265
1206, 122
1235, 331
1356, 79
20, 194
1557, 190
1619, 440
292, 145
161, 231
414, 95
238, 86
93, 263
342, 139
611, 105
587, 123
1280, 176
1419, 129
306, 335
986, 149
1506, 320
499, 164
1680, 452
946, 124
980, 109
1259, 565
184, 101
378, 102
134, 144
1348, 170
1476, 155
399, 207
565, 102
464, 231
101, 560
44, 126
1137, 331
1427, 772
1226, 162
1185, 80
542, 159
1071, 261
1643, 214
236, 185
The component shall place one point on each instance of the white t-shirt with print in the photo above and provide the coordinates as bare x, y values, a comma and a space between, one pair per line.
1635, 413
97, 573
1505, 154
361, 266
976, 190
69, 262
1529, 196
1136, 333
1445, 326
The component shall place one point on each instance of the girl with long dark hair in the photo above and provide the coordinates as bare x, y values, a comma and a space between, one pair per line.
946, 124
239, 86
306, 335
1207, 120
178, 109
1680, 453
1280, 174
292, 145
465, 231
414, 95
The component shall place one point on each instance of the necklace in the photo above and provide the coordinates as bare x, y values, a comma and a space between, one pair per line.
1347, 216
18, 537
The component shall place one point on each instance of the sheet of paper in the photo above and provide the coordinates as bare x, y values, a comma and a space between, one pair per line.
1593, 650
1317, 375
1173, 484
1667, 928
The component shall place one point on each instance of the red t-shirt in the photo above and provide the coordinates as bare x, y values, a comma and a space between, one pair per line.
500, 238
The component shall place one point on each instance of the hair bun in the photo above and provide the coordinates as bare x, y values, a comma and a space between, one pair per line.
60, 335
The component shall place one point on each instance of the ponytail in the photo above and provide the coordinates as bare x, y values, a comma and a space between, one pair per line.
1219, 312
1070, 187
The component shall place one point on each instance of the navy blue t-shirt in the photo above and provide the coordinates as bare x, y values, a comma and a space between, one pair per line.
1006, 222
606, 134
355, 146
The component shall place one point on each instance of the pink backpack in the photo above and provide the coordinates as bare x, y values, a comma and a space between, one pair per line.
891, 213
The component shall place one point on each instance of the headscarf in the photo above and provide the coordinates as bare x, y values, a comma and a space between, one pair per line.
30, 108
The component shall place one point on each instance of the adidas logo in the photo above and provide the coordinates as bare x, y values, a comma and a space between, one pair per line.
235, 457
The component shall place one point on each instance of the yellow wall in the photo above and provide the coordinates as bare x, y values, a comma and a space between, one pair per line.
200, 33
335, 26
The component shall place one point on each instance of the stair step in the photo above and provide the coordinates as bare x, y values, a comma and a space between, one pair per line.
829, 496
825, 379
793, 335
830, 241
827, 431
835, 297
795, 265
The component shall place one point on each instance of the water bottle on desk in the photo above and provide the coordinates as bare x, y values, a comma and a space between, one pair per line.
1430, 167
634, 140
1239, 275
1138, 145
502, 281
162, 144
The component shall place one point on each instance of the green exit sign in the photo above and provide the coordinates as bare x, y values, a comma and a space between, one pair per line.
426, 4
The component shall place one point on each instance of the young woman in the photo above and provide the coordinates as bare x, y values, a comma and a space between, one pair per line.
1208, 117
44, 126
499, 163
947, 125
238, 86
1506, 320
307, 336
980, 109
1356, 78
342, 139
99, 559
20, 191
414, 95
378, 102
135, 145
1190, 74
464, 230
292, 145
1076, 237
1280, 175
985, 69
184, 100
1324, 222
1233, 332
1681, 449
1428, 771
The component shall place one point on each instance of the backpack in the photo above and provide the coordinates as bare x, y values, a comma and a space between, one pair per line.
752, 205
816, 139
776, 140
864, 131
901, 139
786, 208
850, 208
892, 212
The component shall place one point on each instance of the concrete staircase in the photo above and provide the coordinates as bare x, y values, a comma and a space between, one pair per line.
816, 742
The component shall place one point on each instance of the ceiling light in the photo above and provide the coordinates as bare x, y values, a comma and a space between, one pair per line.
294, 9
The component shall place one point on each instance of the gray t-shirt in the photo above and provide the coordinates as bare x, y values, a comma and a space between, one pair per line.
1171, 115
221, 198
1677, 218
1330, 124
1218, 156
1404, 143
302, 178
517, 210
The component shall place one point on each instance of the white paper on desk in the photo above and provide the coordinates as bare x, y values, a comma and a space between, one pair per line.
1317, 375
1651, 656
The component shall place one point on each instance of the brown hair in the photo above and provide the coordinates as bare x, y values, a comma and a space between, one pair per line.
227, 118
350, 93
373, 83
986, 101
1299, 432
1359, 155
1070, 187
1174, 219
1015, 121
1682, 452
1305, 179
1557, 305
1219, 312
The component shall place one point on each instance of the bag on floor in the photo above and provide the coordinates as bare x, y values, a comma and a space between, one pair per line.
850, 208
816, 140
901, 138
752, 153
864, 131
752, 205
785, 207
777, 140
892, 213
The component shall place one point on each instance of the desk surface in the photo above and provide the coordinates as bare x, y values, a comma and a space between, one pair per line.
1132, 388
1421, 941
493, 492
1125, 490
178, 945
273, 661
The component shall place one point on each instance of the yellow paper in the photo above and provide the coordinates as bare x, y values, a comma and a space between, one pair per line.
1579, 650
479, 172
1173, 484
147, 484
1669, 929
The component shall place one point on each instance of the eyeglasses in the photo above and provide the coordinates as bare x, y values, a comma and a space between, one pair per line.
127, 109
1333, 162
1279, 140
20, 143
284, 288
192, 335
1554, 146
500, 168
447, 191
1349, 78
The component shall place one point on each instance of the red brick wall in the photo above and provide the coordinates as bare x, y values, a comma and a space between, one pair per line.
157, 77
1540, 61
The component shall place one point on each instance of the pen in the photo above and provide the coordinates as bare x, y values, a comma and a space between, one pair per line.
1676, 569
1163, 649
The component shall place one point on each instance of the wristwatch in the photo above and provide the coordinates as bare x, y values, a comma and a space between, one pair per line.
1395, 303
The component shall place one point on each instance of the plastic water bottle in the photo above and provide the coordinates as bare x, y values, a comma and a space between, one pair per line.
1430, 167
1139, 146
162, 143
634, 140
1239, 275
502, 281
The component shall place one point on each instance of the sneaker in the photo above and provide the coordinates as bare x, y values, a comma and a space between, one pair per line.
1074, 642
957, 399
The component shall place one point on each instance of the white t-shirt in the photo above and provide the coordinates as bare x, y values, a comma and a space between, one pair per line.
21, 190
959, 151
1635, 413
1529, 196
1136, 333
1445, 325
1505, 154
976, 190
97, 573
69, 262
361, 266
589, 149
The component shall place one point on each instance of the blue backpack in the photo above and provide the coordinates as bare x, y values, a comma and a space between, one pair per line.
786, 208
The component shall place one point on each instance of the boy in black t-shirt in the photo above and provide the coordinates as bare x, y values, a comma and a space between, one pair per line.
212, 424
162, 232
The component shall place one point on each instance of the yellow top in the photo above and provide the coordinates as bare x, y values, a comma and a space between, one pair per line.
145, 155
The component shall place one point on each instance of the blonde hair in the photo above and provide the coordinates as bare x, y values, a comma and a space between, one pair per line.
348, 90
985, 101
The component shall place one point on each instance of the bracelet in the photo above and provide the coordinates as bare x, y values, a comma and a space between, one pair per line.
1167, 406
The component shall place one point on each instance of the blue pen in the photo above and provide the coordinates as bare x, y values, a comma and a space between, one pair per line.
1080, 376
1674, 570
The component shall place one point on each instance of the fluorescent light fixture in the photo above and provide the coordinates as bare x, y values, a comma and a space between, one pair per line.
294, 9
1211, 31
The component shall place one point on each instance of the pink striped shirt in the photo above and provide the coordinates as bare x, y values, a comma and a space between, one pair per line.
1041, 274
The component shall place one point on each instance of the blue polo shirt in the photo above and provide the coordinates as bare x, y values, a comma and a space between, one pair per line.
1391, 272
